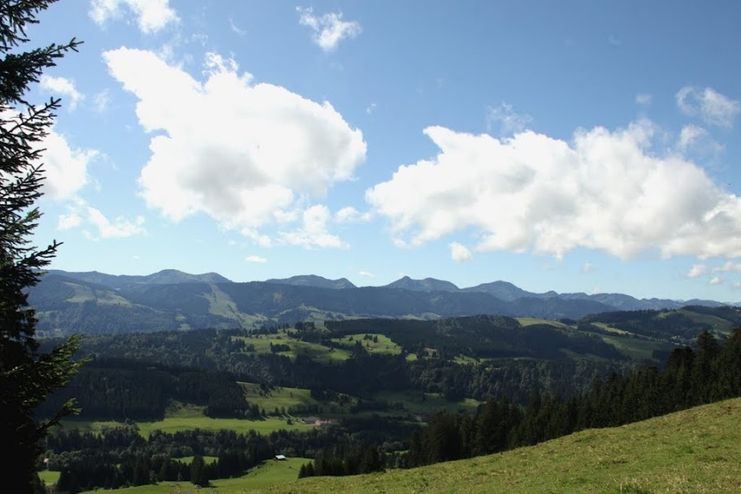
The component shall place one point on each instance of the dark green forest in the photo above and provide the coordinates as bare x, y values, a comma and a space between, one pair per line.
707, 373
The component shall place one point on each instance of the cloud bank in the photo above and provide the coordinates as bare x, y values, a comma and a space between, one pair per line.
605, 190
246, 154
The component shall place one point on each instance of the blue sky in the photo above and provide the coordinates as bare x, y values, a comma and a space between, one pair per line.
574, 146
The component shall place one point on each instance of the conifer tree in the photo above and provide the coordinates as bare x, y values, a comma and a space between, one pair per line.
27, 375
198, 473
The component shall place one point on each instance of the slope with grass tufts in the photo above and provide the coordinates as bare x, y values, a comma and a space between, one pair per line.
696, 450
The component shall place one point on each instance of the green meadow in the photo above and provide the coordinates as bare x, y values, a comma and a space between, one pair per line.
190, 417
260, 478
277, 397
49, 477
320, 353
372, 342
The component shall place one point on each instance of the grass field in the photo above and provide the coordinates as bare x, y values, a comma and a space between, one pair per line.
315, 351
49, 477
278, 397
175, 424
529, 321
694, 451
372, 342
265, 476
610, 329
189, 417
636, 348
189, 459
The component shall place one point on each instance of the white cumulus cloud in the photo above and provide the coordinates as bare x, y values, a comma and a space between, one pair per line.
61, 86
65, 167
351, 215
244, 153
459, 252
328, 29
118, 228
313, 230
604, 190
709, 105
151, 15
715, 280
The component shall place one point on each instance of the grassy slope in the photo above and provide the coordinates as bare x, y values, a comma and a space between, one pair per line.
697, 450
382, 344
314, 351
49, 477
278, 397
261, 477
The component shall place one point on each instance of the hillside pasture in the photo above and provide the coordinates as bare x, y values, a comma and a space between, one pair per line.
320, 353
373, 343
277, 397
696, 450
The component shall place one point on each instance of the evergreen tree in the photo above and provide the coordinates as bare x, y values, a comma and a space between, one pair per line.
27, 375
198, 473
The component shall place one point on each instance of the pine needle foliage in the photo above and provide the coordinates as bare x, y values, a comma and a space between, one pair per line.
27, 375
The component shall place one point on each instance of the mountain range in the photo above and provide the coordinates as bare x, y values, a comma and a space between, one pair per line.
93, 302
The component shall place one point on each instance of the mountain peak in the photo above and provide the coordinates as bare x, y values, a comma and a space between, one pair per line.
174, 276
313, 281
424, 285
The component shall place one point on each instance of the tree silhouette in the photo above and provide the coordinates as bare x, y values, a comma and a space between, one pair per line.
198, 473
27, 375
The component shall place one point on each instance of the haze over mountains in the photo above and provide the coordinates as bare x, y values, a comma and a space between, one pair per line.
93, 302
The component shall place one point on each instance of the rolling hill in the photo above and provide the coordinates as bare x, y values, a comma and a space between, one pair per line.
696, 450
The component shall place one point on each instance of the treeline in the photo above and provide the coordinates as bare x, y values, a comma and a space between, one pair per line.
482, 336
121, 457
120, 389
344, 459
707, 373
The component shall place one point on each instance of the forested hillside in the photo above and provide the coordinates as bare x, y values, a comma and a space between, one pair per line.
361, 395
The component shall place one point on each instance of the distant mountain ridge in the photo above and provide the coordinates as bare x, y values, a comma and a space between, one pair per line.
425, 285
313, 280
164, 277
93, 302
